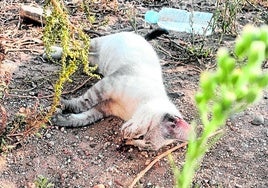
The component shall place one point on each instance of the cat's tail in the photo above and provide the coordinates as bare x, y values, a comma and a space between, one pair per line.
155, 33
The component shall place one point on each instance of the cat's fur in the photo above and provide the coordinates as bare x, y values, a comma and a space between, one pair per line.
132, 89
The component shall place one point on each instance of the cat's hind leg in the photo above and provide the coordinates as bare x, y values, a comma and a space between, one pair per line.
93, 96
82, 119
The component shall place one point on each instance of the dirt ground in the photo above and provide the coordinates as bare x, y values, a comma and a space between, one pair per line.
88, 156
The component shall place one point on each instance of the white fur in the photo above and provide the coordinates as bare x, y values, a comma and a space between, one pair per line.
132, 88
140, 98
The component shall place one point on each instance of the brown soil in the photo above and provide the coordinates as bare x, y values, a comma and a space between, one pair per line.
86, 157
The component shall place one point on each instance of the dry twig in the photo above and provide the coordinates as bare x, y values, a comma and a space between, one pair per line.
49, 96
141, 174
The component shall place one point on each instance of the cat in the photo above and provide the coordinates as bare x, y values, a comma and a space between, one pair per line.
132, 89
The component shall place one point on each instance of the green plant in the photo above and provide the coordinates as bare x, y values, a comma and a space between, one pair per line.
131, 15
85, 6
43, 182
4, 147
226, 91
225, 16
74, 42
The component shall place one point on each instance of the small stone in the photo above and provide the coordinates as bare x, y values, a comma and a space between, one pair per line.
244, 145
48, 135
213, 182
106, 145
62, 129
31, 93
100, 156
258, 120
51, 143
99, 186
64, 175
230, 149
145, 154
238, 186
265, 122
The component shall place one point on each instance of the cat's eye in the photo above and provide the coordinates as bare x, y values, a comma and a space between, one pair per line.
169, 118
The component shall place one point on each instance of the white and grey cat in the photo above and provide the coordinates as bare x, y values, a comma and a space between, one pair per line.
132, 89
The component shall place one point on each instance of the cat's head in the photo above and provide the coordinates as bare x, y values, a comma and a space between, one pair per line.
167, 129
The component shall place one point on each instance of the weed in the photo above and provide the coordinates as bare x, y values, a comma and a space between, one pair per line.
224, 92
225, 16
43, 182
4, 146
131, 14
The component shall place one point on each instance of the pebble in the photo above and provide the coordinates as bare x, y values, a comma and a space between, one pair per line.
51, 143
48, 135
230, 149
258, 120
244, 145
106, 145
238, 186
265, 122
99, 186
100, 156
144, 154
32, 93
64, 175
213, 182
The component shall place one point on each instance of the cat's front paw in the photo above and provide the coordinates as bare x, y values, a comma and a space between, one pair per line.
132, 130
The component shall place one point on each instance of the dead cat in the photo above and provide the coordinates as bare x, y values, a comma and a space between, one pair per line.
132, 89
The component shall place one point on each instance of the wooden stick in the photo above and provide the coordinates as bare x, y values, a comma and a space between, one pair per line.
141, 174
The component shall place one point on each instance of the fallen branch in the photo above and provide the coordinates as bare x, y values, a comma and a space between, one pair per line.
23, 50
67, 92
141, 174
